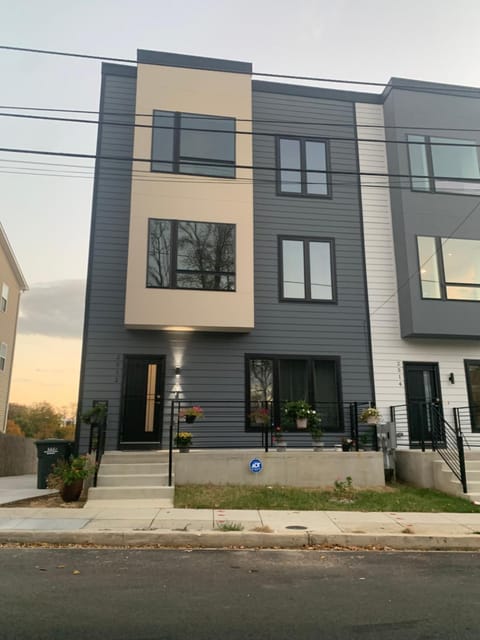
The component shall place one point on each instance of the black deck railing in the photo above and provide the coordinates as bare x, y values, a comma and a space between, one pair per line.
227, 424
428, 430
468, 419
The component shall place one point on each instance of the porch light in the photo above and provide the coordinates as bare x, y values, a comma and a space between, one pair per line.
177, 372
451, 378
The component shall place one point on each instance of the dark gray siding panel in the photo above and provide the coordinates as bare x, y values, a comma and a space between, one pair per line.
431, 214
213, 364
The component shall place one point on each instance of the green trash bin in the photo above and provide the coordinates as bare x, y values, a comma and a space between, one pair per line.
48, 452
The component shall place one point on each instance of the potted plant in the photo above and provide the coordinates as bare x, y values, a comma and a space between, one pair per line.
317, 434
95, 415
260, 415
347, 444
190, 414
371, 415
300, 412
68, 475
280, 439
183, 440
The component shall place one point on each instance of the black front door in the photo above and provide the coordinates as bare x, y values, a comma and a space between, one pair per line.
143, 386
424, 407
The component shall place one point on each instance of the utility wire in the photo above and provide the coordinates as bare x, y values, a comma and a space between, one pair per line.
132, 114
276, 170
237, 132
450, 89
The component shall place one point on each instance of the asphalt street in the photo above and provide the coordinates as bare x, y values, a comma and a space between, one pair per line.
159, 594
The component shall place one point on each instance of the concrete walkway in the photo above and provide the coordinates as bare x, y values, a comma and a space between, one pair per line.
145, 522
13, 488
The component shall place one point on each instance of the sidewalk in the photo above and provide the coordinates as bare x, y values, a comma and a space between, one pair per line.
143, 522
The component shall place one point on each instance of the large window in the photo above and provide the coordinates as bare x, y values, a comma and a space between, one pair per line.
472, 368
302, 167
306, 272
443, 165
449, 268
272, 381
193, 143
191, 255
4, 298
3, 356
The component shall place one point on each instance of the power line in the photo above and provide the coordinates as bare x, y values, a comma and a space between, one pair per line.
276, 170
133, 114
450, 90
247, 133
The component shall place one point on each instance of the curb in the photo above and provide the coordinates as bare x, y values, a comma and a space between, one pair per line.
243, 540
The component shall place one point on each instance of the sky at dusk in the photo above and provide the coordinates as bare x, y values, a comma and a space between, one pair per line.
46, 200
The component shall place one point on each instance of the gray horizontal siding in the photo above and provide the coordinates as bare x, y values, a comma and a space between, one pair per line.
213, 364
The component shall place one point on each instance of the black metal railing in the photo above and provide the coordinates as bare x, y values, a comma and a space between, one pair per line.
96, 444
228, 424
429, 430
468, 419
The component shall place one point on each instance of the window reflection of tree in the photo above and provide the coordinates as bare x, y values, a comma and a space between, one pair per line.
205, 255
261, 382
197, 255
159, 254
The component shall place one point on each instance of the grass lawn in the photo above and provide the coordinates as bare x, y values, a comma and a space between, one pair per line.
395, 497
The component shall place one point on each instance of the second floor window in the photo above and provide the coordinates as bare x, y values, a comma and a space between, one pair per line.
306, 270
302, 167
4, 298
449, 268
443, 165
191, 255
3, 356
193, 143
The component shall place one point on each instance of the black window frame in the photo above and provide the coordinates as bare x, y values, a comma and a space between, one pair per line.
177, 159
276, 403
306, 269
173, 256
442, 280
431, 175
303, 168
473, 418
3, 356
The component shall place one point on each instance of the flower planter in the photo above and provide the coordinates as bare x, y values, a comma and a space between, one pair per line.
71, 492
301, 423
184, 449
281, 446
190, 419
372, 420
318, 445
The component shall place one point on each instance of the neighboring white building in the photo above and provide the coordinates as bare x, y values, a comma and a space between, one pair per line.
12, 283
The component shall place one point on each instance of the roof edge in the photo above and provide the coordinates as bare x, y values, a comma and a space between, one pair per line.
12, 259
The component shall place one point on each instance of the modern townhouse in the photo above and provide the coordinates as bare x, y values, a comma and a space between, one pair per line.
257, 242
12, 283
422, 244
227, 264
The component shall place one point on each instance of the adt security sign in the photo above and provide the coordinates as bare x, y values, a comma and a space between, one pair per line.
256, 465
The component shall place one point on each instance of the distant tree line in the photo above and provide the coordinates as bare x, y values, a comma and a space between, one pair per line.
38, 421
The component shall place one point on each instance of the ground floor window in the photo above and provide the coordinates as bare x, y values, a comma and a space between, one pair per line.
274, 380
472, 368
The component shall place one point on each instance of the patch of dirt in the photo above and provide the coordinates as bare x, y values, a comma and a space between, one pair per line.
44, 502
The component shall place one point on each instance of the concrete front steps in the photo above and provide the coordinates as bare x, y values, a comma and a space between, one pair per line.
446, 481
133, 475
472, 467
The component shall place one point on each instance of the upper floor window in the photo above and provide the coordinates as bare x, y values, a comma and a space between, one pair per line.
302, 167
449, 268
191, 255
195, 144
443, 165
4, 298
3, 356
306, 270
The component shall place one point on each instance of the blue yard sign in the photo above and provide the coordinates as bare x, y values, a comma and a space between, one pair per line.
255, 465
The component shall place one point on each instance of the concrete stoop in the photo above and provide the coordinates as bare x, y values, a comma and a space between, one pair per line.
446, 481
472, 467
133, 475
